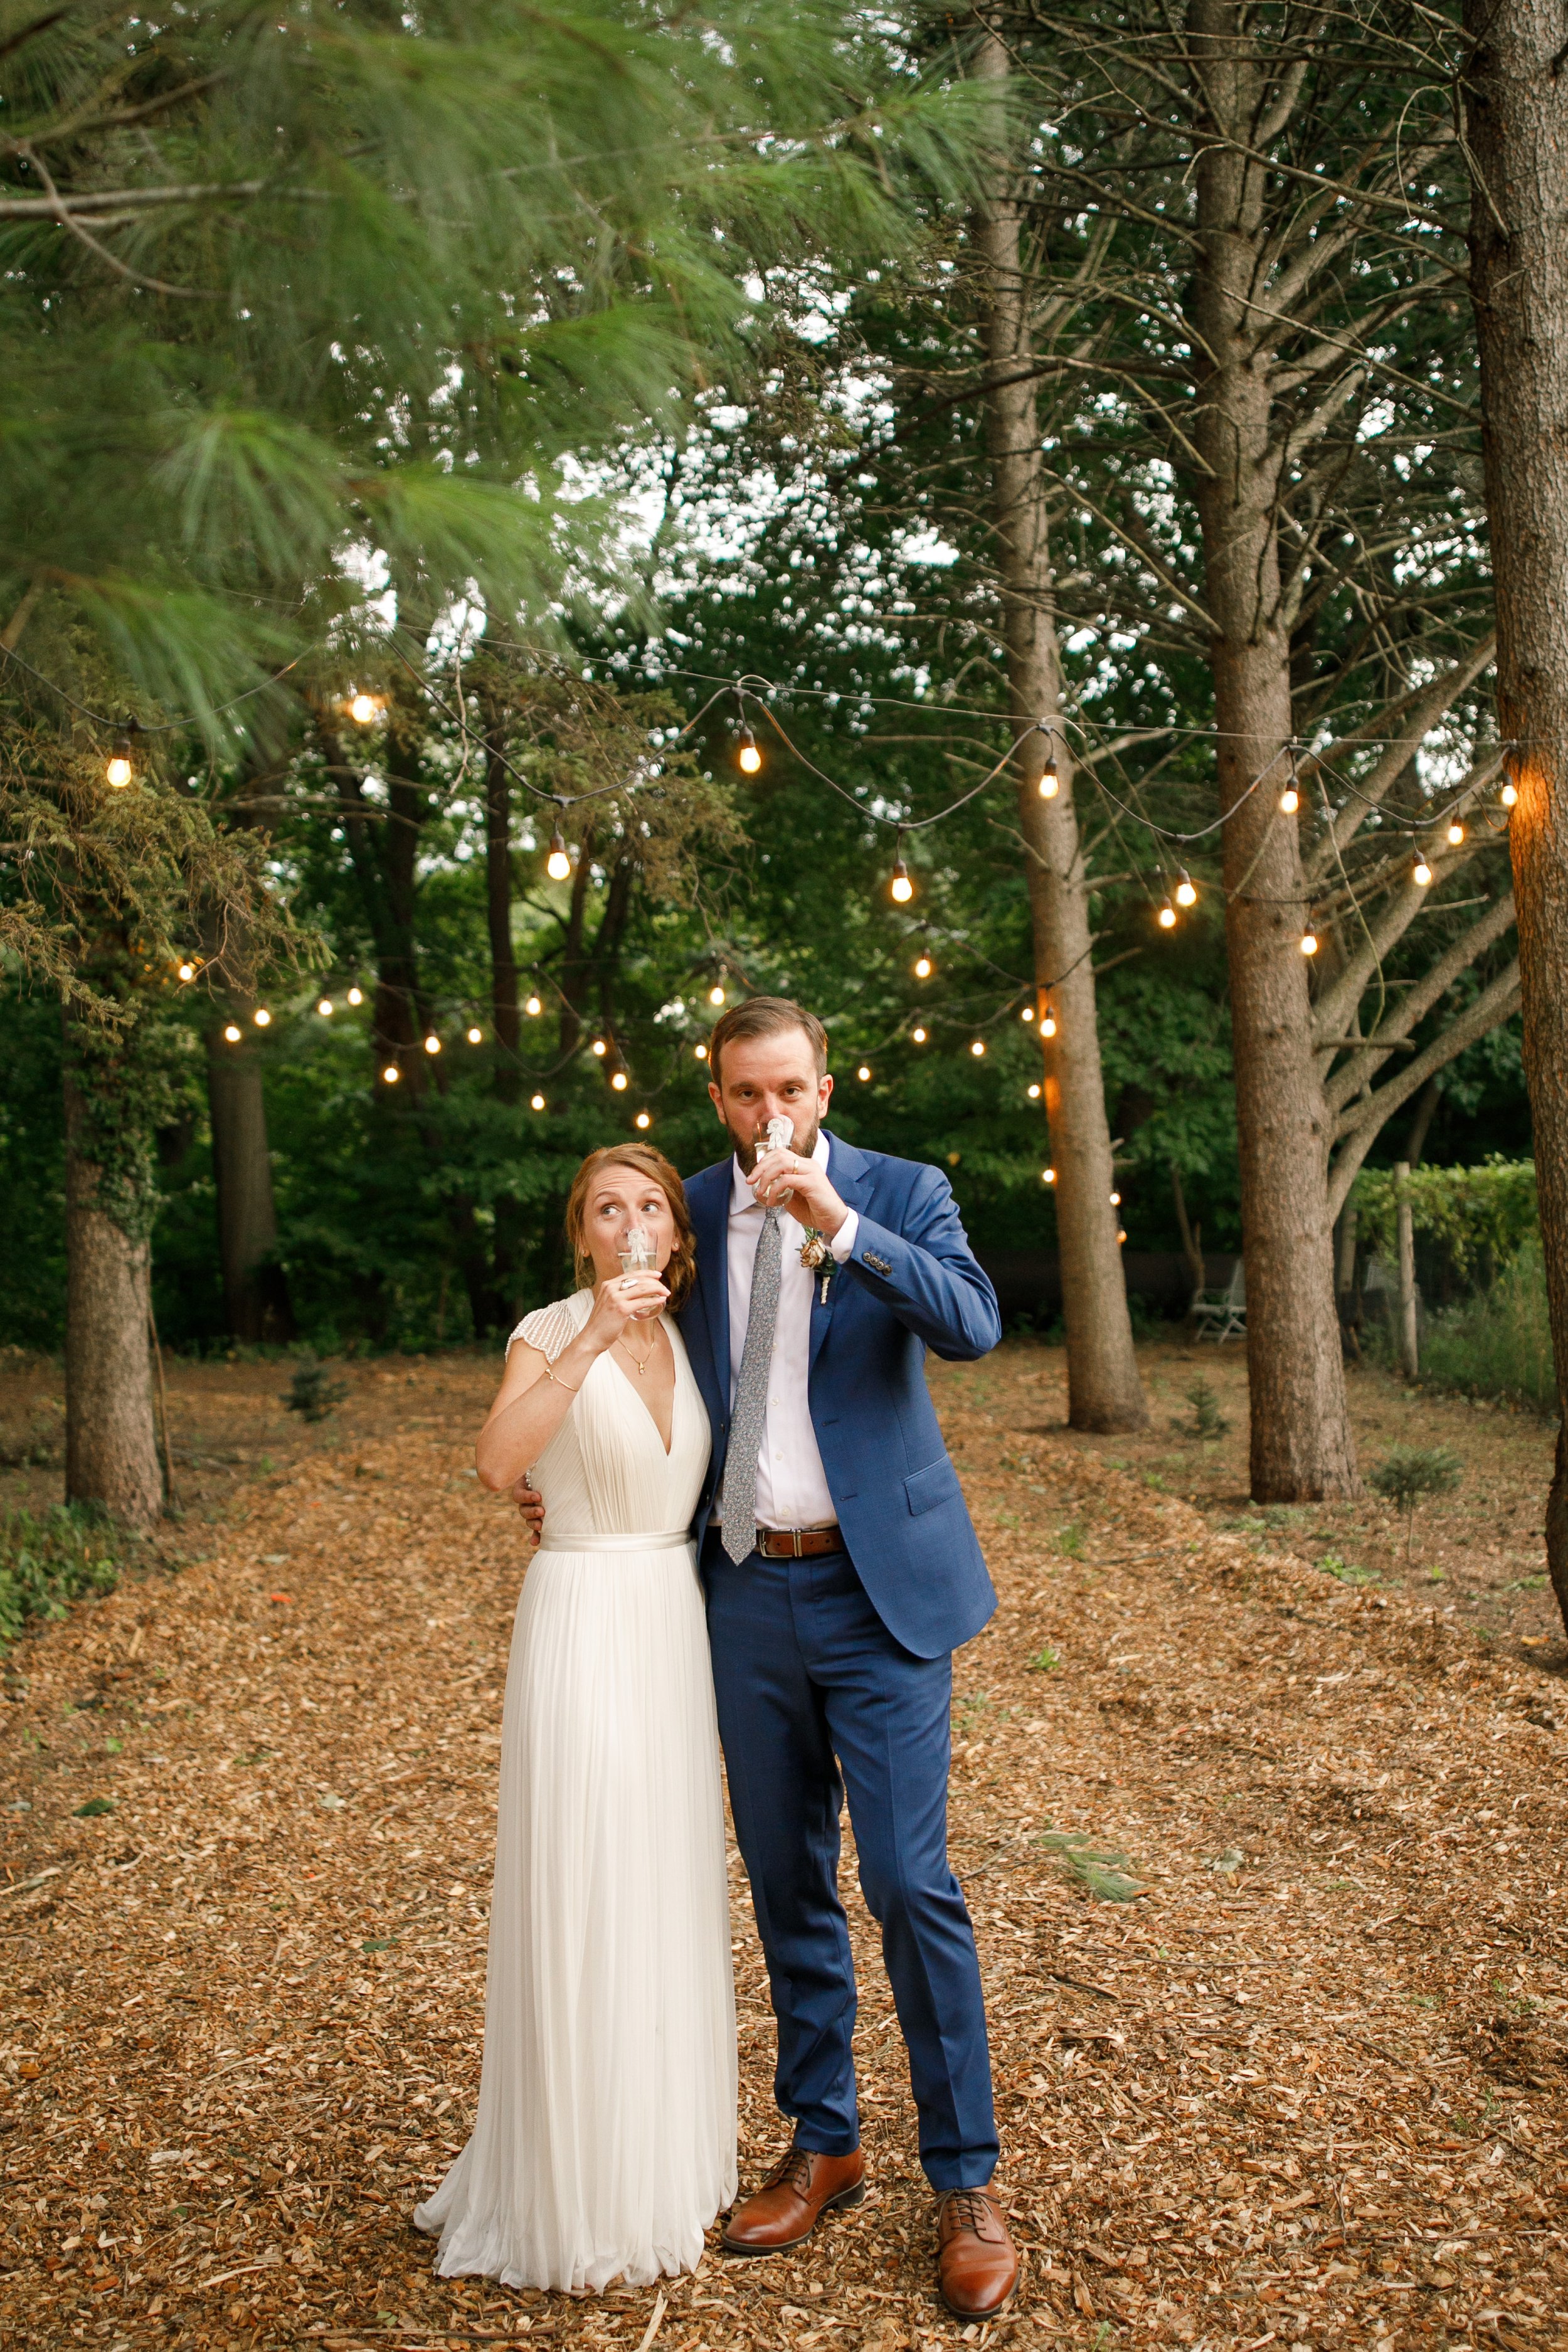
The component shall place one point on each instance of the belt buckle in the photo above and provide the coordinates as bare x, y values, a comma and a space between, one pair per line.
794, 1538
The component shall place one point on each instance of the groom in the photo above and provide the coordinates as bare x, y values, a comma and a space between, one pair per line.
841, 1572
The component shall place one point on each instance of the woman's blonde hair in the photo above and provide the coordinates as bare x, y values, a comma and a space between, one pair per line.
681, 1271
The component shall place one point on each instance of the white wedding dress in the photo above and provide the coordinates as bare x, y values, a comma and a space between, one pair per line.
605, 2141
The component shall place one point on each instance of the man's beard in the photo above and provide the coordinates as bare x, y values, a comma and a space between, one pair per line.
806, 1133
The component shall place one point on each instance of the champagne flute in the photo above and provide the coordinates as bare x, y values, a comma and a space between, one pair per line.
775, 1134
636, 1253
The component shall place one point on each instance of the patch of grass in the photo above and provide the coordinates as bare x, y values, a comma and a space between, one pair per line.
49, 1558
1045, 1660
1106, 1875
1070, 1539
1347, 1572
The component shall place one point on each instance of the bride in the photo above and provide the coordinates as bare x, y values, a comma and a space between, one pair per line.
605, 2141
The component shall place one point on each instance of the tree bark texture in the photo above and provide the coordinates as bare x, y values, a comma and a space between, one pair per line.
1301, 1445
1104, 1391
1517, 104
112, 1447
504, 1009
254, 1289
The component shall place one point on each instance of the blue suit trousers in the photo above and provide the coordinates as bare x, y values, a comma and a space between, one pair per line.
816, 1700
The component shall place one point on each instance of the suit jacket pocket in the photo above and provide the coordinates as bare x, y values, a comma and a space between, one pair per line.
937, 1483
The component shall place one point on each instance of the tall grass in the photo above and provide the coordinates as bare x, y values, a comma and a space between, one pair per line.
49, 1558
1498, 1343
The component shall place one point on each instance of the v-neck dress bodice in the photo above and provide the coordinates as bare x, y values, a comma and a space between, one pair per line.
604, 2140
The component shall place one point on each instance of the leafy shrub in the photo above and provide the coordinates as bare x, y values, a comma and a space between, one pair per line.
1498, 1343
51, 1559
311, 1392
1408, 1472
1483, 1217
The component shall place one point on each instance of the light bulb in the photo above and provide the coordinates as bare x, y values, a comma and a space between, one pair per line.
188, 971
475, 1036
1050, 783
1116, 1199
1289, 800
558, 866
432, 1044
324, 1007
618, 1080
1120, 1235
1509, 795
1309, 941
862, 1073
643, 1121
1455, 834
1027, 1014
118, 770
1048, 1025
918, 1035
1186, 890
1034, 1094
231, 1032
923, 967
978, 1048
533, 1008
748, 756
715, 995
700, 1052
364, 710
901, 887
1421, 874
391, 1072
261, 1016
1167, 917
1047, 1175
356, 996
599, 1047
536, 1102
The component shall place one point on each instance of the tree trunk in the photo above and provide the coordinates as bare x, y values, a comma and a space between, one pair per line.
1104, 1392
1519, 279
1301, 1446
254, 1289
1192, 1236
112, 1447
497, 914
1405, 1247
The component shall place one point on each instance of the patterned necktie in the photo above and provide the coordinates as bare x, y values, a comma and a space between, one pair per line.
738, 1501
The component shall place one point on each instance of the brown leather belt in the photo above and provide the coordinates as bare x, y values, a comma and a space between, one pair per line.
797, 1543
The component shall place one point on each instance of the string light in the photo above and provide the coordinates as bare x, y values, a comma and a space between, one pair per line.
748, 757
1051, 781
432, 1044
643, 1121
1309, 938
325, 1008
1509, 793
533, 1008
558, 866
1047, 1175
1186, 889
536, 1102
1034, 1094
715, 994
231, 1032
863, 1073
390, 1074
620, 1081
188, 971
1421, 874
1455, 834
119, 770
364, 709
1120, 1237
918, 1035
1116, 1199
1048, 1023
978, 1048
261, 1017
700, 1052
923, 966
900, 888
356, 996
1291, 798
599, 1047
1027, 1014
475, 1036
1167, 917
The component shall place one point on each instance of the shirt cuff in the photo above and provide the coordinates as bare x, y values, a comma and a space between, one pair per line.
843, 1241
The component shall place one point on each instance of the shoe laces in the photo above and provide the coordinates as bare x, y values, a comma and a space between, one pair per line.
970, 2208
793, 2170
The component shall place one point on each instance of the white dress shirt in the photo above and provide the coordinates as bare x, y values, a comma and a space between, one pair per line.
792, 1485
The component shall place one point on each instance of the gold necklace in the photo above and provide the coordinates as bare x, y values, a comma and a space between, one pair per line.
643, 1361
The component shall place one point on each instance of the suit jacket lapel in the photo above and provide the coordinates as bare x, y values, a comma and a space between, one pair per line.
708, 1200
850, 1175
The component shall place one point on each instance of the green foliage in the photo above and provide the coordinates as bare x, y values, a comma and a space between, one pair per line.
1499, 1342
1207, 1420
1482, 1216
1106, 1874
48, 1560
1045, 1660
312, 1392
1408, 1472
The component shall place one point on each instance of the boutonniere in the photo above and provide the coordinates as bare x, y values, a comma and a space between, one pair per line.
814, 1253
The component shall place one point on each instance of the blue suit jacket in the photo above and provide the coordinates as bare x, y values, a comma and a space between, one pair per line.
893, 1486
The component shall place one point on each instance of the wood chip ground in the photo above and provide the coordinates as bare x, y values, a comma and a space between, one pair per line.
1306, 2083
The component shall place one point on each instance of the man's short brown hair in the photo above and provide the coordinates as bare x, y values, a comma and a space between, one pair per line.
765, 1016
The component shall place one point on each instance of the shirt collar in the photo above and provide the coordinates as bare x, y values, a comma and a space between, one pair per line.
741, 1196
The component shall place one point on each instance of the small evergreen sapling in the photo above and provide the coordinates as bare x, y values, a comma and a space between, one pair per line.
311, 1392
1411, 1471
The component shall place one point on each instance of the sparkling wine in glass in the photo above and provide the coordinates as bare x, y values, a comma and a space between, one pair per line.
635, 1253
775, 1134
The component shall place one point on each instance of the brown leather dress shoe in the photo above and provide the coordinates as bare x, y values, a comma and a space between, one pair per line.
978, 2264
800, 2188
